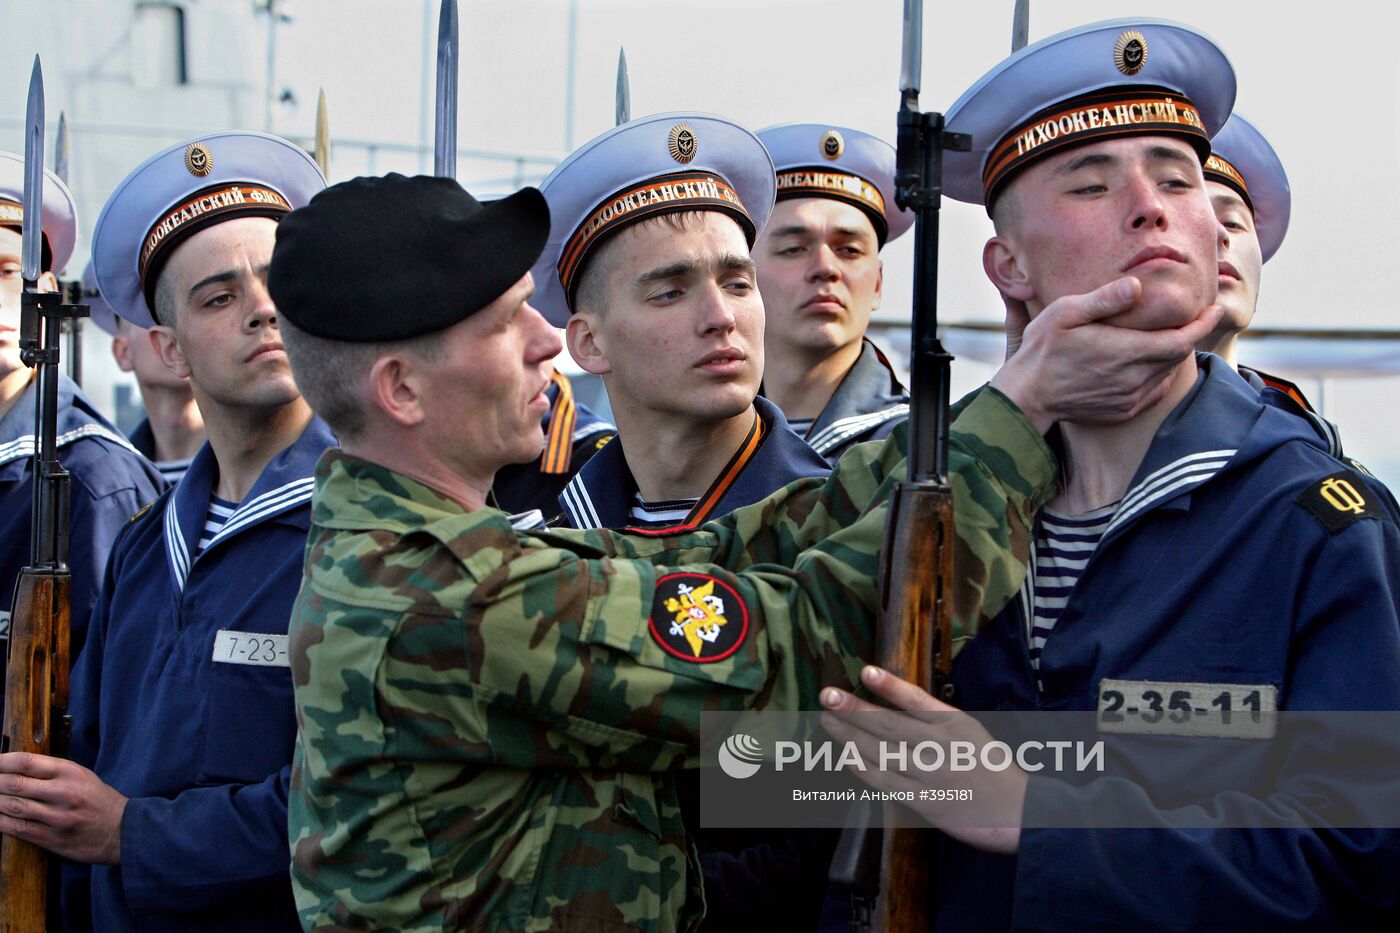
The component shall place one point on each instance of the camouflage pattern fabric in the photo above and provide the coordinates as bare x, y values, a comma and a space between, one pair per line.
490, 721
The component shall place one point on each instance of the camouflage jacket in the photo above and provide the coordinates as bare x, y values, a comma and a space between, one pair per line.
490, 720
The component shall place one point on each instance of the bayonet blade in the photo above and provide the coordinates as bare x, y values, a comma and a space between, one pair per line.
323, 135
60, 155
32, 229
912, 60
445, 142
623, 106
1021, 25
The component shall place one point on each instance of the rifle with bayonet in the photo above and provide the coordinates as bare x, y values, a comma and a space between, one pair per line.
445, 108
36, 675
622, 96
889, 872
73, 289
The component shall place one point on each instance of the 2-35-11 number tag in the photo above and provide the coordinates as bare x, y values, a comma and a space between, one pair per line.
1155, 707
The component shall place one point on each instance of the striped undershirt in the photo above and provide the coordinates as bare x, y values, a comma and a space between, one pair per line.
1063, 546
214, 521
172, 470
661, 514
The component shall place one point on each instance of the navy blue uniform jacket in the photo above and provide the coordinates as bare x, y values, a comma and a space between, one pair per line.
866, 406
110, 481
601, 495
1213, 571
203, 749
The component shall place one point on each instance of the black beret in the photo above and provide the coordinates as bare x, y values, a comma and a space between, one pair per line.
378, 259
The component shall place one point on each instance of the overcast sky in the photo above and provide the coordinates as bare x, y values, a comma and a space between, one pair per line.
1322, 87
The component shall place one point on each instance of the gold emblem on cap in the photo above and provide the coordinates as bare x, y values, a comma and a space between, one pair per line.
833, 144
682, 144
1130, 53
198, 159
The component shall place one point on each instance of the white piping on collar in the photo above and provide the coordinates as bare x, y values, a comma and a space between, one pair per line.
175, 550
249, 513
1180, 474
24, 445
269, 503
579, 505
836, 433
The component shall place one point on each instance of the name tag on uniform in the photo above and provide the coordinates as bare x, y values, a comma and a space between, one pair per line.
256, 648
1155, 707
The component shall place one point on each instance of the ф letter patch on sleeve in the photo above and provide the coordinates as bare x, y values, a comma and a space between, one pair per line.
698, 618
1338, 500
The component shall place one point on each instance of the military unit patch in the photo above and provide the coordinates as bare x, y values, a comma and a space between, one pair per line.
1337, 501
698, 618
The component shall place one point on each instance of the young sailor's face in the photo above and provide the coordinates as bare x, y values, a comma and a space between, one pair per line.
1241, 261
820, 272
1133, 206
226, 335
11, 291
682, 335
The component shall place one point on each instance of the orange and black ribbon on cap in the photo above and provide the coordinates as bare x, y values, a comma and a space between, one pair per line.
1131, 111
665, 194
816, 181
205, 207
1221, 170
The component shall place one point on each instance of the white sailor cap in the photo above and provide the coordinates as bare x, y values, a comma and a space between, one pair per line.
817, 160
183, 189
60, 221
1243, 159
99, 311
1123, 77
660, 164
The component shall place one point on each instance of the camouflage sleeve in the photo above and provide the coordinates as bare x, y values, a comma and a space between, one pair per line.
1001, 471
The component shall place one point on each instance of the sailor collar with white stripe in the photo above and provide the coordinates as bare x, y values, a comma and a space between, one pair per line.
601, 495
869, 396
77, 419
1200, 438
284, 485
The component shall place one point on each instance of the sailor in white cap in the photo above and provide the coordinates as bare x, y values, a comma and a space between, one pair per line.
1252, 199
173, 430
110, 480
821, 276
1210, 546
182, 700
648, 268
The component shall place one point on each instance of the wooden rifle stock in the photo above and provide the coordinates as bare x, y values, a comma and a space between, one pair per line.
890, 879
36, 671
915, 640
36, 693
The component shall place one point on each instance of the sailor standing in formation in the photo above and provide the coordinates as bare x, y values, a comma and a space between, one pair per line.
1210, 546
820, 272
172, 431
110, 480
173, 809
492, 721
648, 269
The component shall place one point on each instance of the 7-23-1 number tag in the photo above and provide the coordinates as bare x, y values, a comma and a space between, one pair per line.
257, 648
